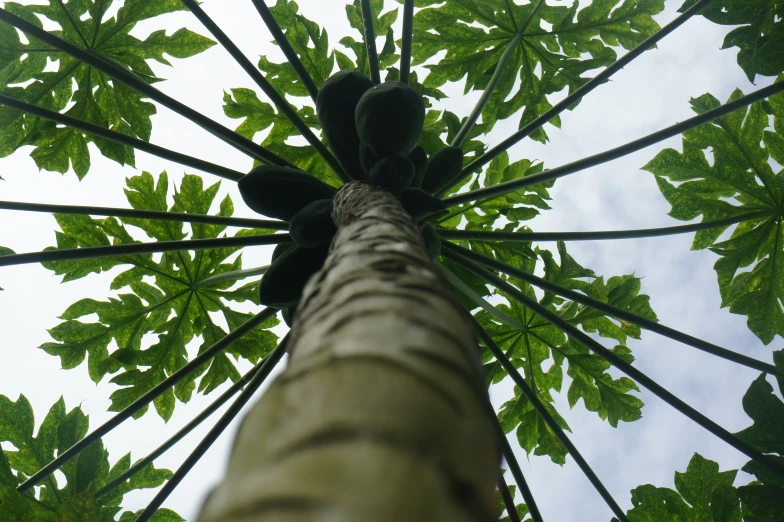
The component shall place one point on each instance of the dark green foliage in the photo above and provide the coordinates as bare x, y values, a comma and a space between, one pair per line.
393, 173
138, 336
281, 192
704, 493
313, 226
420, 204
335, 105
443, 170
742, 178
71, 498
61, 83
758, 32
432, 242
282, 284
279, 250
389, 118
418, 157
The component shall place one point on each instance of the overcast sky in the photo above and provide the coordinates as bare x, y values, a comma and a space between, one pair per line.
651, 93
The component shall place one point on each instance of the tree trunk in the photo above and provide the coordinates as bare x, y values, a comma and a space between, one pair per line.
381, 414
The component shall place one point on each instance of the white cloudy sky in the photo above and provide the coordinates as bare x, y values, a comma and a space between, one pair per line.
651, 93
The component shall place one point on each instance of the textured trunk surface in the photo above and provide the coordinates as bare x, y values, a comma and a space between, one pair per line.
380, 414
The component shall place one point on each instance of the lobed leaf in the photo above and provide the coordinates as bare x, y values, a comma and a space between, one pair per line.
741, 179
141, 335
86, 93
86, 474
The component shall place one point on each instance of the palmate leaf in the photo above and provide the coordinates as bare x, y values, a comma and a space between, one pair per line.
158, 300
541, 343
475, 33
382, 27
760, 36
740, 180
702, 493
84, 475
515, 207
706, 495
95, 98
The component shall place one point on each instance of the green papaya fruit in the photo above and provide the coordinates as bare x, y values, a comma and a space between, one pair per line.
313, 225
443, 168
280, 248
281, 286
420, 204
288, 314
281, 192
418, 157
389, 118
335, 105
393, 173
432, 242
366, 158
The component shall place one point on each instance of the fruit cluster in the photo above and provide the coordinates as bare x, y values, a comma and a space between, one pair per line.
373, 131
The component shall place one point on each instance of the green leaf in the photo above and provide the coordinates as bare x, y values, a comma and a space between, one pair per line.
259, 116
702, 493
741, 180
548, 58
159, 298
86, 93
762, 503
767, 411
382, 28
311, 44
84, 475
515, 207
758, 32
538, 343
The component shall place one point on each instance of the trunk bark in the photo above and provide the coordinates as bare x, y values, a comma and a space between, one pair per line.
381, 413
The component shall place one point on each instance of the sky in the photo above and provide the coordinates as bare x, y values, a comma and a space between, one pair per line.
649, 94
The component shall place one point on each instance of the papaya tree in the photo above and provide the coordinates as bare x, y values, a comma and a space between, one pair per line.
403, 258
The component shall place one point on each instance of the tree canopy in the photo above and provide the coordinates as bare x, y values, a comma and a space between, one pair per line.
181, 284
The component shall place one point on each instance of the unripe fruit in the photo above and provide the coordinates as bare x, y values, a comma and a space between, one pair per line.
281, 192
389, 118
335, 106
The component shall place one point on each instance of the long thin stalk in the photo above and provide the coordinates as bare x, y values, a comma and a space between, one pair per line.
481, 301
271, 361
370, 41
549, 420
93, 59
285, 46
608, 309
573, 98
500, 68
517, 473
524, 237
408, 38
231, 276
285, 108
506, 496
618, 152
182, 433
124, 139
147, 398
183, 217
69, 254
587, 341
